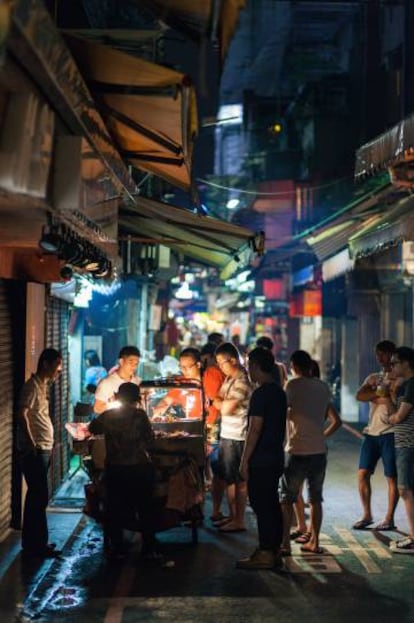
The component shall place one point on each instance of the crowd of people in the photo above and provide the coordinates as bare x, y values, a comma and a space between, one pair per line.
265, 439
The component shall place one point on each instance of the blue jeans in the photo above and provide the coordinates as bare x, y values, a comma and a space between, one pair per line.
35, 466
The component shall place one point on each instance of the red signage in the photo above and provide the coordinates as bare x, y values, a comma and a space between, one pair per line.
306, 303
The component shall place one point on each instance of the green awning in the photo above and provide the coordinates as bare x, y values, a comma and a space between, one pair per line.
210, 241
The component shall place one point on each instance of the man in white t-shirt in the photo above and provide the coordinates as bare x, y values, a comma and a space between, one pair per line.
309, 406
378, 440
125, 373
233, 403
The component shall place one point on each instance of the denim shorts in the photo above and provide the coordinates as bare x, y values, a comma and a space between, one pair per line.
229, 457
310, 467
378, 447
405, 467
214, 458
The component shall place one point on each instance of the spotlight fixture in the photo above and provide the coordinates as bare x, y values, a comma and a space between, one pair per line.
66, 273
50, 239
71, 249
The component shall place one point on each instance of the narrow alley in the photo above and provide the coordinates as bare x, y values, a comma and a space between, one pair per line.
356, 578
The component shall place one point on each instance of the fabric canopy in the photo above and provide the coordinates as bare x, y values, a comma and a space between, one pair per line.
210, 241
149, 109
216, 19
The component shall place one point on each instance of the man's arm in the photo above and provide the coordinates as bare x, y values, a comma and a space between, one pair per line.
401, 414
367, 391
23, 416
334, 419
96, 426
99, 406
253, 434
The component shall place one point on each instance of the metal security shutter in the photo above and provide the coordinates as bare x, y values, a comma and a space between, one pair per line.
6, 412
57, 320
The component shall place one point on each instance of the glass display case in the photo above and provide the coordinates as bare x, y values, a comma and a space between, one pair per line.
175, 408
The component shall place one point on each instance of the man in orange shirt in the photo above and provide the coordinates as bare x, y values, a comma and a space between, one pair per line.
188, 399
213, 379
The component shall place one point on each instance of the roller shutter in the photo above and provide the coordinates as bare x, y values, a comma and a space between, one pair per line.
6, 411
57, 320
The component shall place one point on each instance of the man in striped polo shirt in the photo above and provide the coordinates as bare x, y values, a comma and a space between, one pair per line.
403, 420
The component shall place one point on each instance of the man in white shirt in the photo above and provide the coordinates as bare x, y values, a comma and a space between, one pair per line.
378, 440
309, 406
233, 403
125, 373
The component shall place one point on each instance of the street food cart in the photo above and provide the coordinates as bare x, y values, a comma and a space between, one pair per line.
175, 408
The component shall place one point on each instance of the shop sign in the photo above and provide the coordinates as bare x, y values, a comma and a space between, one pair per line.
274, 289
337, 265
303, 276
306, 303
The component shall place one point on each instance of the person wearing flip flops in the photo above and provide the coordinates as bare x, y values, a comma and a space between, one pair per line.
309, 408
233, 403
378, 440
403, 421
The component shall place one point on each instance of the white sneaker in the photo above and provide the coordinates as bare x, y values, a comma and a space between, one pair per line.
403, 546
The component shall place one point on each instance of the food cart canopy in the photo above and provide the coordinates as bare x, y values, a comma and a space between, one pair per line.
150, 110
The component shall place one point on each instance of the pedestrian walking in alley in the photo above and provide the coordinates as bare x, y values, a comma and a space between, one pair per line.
125, 372
403, 421
262, 461
233, 403
35, 437
309, 406
378, 440
129, 472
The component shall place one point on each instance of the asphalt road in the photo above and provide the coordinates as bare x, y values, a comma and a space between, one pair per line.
356, 579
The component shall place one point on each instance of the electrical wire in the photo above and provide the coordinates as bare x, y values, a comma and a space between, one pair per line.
270, 194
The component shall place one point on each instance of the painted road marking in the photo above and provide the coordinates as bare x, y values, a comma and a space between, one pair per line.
318, 563
359, 550
327, 563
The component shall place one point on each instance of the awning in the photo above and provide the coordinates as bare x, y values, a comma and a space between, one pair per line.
207, 240
150, 110
386, 230
391, 149
337, 265
370, 195
38, 47
332, 239
199, 18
